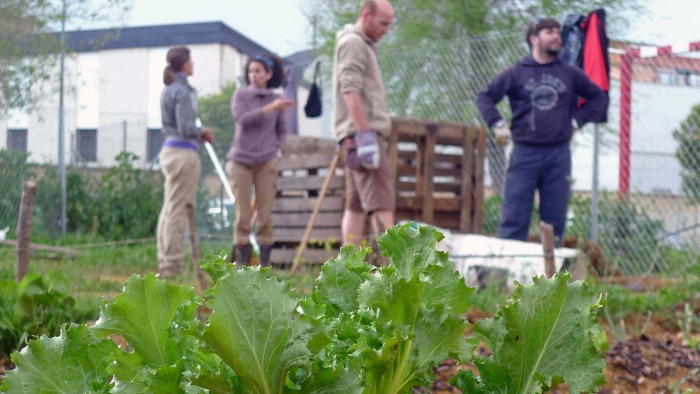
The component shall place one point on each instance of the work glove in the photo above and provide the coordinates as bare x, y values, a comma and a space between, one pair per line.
502, 132
367, 149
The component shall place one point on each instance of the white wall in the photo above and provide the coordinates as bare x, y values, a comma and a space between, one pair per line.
308, 126
232, 63
88, 91
156, 66
207, 78
321, 126
124, 80
657, 110
43, 127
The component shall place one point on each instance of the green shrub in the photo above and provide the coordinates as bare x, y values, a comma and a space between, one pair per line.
688, 153
14, 171
128, 200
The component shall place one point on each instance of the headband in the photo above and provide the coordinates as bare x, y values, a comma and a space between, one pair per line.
269, 64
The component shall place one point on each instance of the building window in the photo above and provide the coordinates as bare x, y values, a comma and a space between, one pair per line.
86, 144
154, 140
17, 140
677, 77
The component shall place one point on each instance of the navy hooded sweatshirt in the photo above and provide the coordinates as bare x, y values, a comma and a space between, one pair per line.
543, 100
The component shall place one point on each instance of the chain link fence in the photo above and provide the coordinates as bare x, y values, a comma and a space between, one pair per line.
647, 213
114, 186
650, 225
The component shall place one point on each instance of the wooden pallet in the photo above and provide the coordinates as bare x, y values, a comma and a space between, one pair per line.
439, 169
303, 170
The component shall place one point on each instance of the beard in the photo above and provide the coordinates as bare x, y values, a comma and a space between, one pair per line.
550, 49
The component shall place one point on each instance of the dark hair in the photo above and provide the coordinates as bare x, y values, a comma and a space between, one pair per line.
176, 57
535, 28
271, 63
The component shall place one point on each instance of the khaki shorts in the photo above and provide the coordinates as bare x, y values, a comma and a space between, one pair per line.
369, 191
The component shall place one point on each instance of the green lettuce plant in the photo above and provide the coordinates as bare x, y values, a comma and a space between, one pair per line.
361, 330
542, 337
38, 305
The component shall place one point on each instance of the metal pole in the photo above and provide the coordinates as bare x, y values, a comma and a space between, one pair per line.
220, 171
594, 189
124, 136
61, 125
625, 121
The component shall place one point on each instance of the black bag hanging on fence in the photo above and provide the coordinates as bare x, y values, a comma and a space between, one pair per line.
313, 107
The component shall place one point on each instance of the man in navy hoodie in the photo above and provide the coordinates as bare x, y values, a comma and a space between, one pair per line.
544, 96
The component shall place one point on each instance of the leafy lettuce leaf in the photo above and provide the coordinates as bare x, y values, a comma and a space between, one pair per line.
73, 362
542, 337
253, 329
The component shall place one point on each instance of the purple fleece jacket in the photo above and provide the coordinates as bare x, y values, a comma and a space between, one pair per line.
258, 136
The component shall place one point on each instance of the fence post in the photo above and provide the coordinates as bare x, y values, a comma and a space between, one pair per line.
593, 231
194, 247
547, 235
24, 229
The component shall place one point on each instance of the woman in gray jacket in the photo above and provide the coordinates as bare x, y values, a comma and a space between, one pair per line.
257, 148
179, 159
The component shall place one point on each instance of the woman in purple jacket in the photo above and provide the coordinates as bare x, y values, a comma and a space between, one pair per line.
256, 151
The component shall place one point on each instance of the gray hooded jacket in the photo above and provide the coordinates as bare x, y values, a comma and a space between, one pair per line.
178, 105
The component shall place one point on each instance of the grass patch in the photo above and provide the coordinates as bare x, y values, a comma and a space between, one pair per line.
98, 271
101, 271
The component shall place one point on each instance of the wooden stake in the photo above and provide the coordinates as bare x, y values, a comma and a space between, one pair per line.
194, 248
547, 235
24, 229
317, 208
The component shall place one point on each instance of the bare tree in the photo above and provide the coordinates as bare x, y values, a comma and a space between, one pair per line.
30, 40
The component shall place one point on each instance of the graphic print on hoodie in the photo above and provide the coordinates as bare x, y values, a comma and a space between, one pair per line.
543, 100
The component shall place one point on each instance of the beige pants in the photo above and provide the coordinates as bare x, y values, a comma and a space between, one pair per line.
181, 169
243, 178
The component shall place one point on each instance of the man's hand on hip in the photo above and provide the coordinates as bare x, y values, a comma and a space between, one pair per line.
367, 149
502, 132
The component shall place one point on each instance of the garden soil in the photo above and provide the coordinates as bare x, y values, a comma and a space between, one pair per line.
658, 361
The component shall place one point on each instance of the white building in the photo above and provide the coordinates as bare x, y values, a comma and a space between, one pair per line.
112, 94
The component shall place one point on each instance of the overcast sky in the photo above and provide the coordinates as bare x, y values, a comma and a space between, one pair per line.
280, 25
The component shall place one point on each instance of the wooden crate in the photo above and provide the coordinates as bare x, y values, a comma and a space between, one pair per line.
439, 168
303, 170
